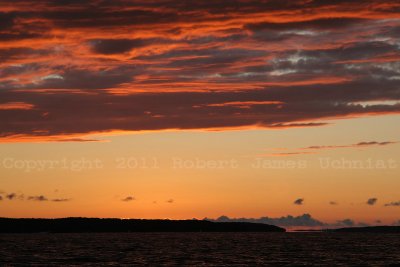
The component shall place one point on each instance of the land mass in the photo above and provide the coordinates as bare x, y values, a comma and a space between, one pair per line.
369, 229
97, 225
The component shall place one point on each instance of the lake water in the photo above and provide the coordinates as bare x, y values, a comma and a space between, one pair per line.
200, 249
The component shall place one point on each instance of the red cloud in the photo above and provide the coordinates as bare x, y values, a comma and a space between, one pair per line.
71, 68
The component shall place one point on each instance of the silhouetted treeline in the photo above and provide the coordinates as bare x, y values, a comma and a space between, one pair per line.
87, 225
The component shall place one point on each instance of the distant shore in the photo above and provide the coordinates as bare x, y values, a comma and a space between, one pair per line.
368, 229
109, 225
97, 225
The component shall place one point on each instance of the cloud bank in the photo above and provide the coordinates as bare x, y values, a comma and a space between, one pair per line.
72, 68
305, 220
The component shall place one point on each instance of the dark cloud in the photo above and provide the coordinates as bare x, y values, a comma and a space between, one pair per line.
15, 196
372, 201
170, 201
298, 201
116, 46
333, 203
288, 221
69, 60
6, 20
38, 198
376, 143
73, 78
305, 220
173, 110
316, 24
11, 196
128, 199
18, 53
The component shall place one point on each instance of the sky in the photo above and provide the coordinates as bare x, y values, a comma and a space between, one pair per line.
199, 109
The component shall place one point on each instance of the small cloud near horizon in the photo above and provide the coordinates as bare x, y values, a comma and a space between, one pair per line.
128, 199
299, 201
393, 204
15, 196
61, 199
372, 201
38, 198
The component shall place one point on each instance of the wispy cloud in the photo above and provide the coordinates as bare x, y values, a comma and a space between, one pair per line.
315, 149
393, 204
358, 145
15, 196
61, 199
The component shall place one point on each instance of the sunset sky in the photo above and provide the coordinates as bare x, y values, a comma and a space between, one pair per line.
194, 109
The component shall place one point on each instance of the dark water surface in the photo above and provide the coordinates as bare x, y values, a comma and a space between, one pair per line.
200, 249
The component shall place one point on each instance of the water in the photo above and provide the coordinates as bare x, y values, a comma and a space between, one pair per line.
200, 249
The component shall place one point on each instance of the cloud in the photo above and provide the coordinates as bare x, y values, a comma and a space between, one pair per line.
348, 223
298, 125
117, 46
299, 201
14, 196
305, 220
61, 199
315, 24
170, 201
372, 201
38, 198
43, 198
302, 220
77, 140
128, 199
1, 198
313, 149
393, 204
15, 106
165, 64
360, 144
333, 203
376, 143
11, 196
